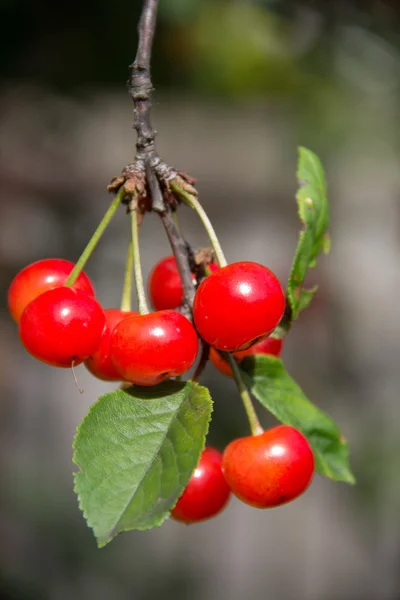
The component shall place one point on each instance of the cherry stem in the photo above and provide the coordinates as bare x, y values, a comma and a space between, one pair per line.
76, 378
84, 257
191, 200
255, 425
126, 300
205, 353
137, 266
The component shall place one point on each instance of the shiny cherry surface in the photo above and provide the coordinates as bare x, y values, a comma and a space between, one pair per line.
237, 305
207, 492
270, 469
39, 277
147, 349
269, 345
99, 363
62, 327
165, 285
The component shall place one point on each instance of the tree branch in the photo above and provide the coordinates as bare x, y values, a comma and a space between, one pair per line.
140, 85
147, 168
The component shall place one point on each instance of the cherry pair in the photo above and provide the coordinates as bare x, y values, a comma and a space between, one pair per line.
165, 342
264, 471
58, 325
233, 308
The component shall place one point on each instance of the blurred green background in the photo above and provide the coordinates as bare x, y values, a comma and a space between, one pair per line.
239, 84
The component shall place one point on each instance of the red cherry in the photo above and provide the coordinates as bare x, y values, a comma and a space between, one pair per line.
165, 285
39, 277
147, 349
269, 469
99, 363
62, 326
207, 492
237, 305
269, 345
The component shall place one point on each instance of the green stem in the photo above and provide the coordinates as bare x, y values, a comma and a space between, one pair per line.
192, 201
255, 425
126, 300
84, 257
137, 266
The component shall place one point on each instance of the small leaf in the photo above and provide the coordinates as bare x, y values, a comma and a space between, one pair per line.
270, 383
136, 450
313, 210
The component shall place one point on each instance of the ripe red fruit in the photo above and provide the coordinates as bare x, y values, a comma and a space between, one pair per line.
165, 285
147, 349
99, 363
62, 326
269, 469
237, 305
269, 345
39, 277
207, 492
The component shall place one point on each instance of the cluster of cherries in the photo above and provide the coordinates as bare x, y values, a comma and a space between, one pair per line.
264, 471
235, 308
62, 326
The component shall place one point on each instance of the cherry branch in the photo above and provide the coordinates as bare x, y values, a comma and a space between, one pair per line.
140, 85
148, 169
181, 251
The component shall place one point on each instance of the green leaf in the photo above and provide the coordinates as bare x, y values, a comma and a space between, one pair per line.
313, 211
269, 382
136, 450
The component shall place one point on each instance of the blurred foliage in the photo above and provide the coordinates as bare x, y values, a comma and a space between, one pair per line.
251, 56
322, 57
227, 48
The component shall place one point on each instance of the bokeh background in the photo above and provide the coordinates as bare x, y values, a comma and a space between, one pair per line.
239, 85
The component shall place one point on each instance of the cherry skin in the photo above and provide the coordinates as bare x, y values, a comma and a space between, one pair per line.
37, 278
62, 327
270, 346
238, 305
207, 492
147, 349
165, 285
99, 363
269, 469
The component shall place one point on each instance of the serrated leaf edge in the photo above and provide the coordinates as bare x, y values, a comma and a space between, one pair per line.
193, 386
101, 543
